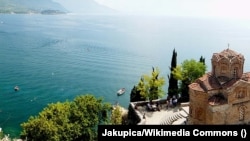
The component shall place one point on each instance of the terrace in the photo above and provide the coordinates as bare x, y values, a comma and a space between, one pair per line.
163, 115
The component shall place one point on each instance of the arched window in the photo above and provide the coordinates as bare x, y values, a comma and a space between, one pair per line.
242, 110
241, 94
235, 73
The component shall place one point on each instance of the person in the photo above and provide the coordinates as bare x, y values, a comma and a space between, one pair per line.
158, 106
175, 102
167, 103
171, 102
149, 106
151, 102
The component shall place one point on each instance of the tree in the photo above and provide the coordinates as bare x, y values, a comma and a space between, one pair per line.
149, 87
133, 94
154, 85
202, 60
173, 83
187, 73
138, 91
116, 115
76, 120
141, 88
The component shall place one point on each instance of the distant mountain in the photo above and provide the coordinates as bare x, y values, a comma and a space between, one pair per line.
86, 7
31, 6
53, 7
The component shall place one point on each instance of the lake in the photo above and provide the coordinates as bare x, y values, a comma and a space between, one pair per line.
57, 57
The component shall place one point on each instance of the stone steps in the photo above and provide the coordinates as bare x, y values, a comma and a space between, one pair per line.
169, 120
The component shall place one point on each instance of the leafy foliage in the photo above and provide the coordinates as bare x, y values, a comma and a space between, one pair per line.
76, 120
154, 85
187, 73
141, 88
149, 87
1, 133
138, 91
134, 96
189, 70
116, 115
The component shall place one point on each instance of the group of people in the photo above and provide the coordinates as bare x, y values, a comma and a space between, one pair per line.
171, 102
153, 106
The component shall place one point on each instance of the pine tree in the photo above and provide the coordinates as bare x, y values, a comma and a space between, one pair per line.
138, 91
202, 60
173, 83
154, 85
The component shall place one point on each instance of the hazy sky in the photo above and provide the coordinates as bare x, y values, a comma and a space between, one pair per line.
201, 8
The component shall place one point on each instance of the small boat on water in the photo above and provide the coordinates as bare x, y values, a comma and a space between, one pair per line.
121, 91
16, 88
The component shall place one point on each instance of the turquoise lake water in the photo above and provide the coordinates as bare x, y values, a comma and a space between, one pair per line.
57, 57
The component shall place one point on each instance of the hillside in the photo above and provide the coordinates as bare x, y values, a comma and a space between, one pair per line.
86, 7
53, 7
31, 6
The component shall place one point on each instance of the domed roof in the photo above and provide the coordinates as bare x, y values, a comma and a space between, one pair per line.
228, 54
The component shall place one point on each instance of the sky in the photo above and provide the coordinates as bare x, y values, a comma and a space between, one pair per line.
195, 8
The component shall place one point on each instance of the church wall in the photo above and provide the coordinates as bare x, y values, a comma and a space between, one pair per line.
233, 115
197, 110
217, 114
239, 94
236, 69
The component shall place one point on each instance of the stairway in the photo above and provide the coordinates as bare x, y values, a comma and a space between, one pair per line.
173, 118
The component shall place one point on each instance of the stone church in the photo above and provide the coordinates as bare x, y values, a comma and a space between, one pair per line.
221, 96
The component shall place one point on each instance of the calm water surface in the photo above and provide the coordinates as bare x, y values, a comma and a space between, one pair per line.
55, 58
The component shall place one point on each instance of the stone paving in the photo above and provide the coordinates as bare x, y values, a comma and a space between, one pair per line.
166, 116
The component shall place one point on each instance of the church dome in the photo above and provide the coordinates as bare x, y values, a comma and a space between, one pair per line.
228, 54
227, 64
